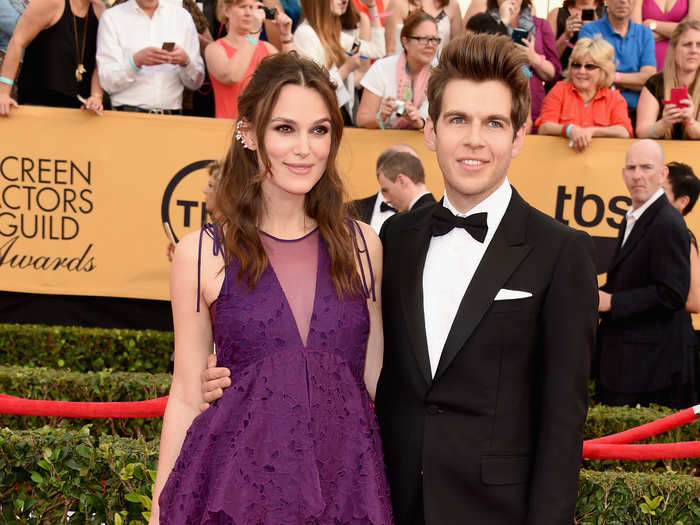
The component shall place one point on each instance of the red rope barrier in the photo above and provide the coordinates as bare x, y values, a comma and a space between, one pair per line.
614, 446
89, 409
650, 429
684, 449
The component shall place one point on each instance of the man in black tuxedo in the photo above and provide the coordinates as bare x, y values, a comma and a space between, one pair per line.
374, 210
402, 182
645, 338
490, 313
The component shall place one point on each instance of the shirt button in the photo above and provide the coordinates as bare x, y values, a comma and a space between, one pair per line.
433, 410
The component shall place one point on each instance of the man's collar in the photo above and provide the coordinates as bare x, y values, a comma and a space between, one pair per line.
644, 207
499, 198
417, 198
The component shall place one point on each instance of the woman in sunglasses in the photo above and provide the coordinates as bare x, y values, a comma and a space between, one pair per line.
394, 95
584, 106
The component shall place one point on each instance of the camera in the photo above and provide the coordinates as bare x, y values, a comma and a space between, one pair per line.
270, 12
400, 107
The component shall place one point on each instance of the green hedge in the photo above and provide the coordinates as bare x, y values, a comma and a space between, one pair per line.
47, 473
43, 383
85, 349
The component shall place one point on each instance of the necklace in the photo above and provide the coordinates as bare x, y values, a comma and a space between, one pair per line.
80, 55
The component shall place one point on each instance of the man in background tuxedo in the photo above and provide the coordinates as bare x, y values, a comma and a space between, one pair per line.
490, 311
374, 210
402, 182
645, 340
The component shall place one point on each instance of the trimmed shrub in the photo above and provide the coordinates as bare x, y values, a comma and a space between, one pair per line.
85, 349
45, 474
64, 385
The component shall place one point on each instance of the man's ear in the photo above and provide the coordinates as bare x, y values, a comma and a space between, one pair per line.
429, 134
518, 141
683, 201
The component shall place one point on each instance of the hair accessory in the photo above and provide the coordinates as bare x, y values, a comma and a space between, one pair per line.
239, 135
526, 71
7, 81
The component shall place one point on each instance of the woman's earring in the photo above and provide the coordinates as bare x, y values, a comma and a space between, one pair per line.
239, 135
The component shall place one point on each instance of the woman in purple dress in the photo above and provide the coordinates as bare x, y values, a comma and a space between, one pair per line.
291, 290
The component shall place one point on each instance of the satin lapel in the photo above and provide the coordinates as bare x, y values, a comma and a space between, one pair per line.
505, 252
415, 241
638, 230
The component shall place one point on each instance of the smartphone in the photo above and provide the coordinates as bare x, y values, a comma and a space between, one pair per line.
519, 36
587, 14
677, 94
168, 46
355, 47
270, 12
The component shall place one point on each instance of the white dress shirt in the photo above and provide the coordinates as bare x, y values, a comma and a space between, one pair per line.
633, 216
126, 29
379, 216
450, 264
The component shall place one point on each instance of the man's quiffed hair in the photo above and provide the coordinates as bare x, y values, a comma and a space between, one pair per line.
482, 57
401, 163
683, 183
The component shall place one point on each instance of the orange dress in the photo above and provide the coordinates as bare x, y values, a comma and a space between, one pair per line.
226, 95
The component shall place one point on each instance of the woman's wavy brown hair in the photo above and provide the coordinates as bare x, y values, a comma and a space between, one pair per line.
318, 15
239, 195
670, 70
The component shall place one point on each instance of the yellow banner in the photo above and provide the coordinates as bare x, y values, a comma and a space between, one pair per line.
83, 199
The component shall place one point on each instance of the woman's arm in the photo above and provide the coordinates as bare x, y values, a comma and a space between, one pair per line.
693, 303
375, 45
193, 343
228, 70
398, 9
39, 15
647, 112
375, 341
475, 7
367, 111
271, 29
616, 130
455, 16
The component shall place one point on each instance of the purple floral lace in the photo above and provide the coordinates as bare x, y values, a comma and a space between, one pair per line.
294, 439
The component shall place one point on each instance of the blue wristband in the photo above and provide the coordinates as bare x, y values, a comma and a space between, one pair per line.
7, 81
134, 66
380, 122
568, 131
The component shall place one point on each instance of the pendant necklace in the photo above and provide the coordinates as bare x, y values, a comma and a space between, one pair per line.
80, 55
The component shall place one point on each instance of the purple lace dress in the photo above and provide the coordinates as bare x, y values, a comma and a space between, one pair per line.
294, 439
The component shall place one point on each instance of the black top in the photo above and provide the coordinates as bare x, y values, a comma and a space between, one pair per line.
655, 85
51, 59
562, 15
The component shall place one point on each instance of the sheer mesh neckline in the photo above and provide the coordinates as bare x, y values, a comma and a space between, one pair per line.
289, 240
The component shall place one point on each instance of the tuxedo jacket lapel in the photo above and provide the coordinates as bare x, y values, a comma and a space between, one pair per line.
505, 252
637, 232
415, 242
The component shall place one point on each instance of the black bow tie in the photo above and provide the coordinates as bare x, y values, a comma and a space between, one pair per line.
386, 207
444, 221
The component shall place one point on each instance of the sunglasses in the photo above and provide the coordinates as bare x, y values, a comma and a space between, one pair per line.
426, 39
587, 67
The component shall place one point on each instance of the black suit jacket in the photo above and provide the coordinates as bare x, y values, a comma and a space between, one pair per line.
362, 208
423, 201
495, 438
644, 340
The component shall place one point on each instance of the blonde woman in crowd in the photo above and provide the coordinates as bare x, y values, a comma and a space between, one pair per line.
658, 117
584, 106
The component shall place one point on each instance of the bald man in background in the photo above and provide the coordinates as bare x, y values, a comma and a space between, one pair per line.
644, 352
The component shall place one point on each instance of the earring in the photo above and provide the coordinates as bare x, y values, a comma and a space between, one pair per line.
239, 135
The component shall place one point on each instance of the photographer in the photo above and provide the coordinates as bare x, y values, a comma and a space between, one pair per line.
394, 95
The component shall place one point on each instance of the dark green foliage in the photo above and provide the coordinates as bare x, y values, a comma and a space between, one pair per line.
85, 349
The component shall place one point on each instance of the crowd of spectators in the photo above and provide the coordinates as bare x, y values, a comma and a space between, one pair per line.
155, 56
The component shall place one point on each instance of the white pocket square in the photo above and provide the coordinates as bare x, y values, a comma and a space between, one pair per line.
504, 294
